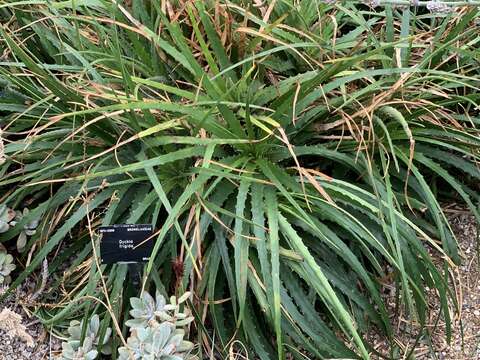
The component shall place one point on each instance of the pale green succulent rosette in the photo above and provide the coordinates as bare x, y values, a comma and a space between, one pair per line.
6, 267
156, 330
75, 348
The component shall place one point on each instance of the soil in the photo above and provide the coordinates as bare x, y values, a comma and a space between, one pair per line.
465, 282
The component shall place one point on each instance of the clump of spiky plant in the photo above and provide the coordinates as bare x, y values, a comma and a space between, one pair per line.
156, 330
312, 155
76, 349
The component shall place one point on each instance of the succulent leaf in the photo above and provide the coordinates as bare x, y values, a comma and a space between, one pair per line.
4, 226
7, 216
21, 241
6, 267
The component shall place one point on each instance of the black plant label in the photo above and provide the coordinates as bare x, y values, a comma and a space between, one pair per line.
126, 243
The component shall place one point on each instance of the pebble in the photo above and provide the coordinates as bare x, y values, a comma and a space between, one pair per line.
16, 349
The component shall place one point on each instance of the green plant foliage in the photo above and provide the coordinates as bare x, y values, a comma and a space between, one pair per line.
85, 347
292, 156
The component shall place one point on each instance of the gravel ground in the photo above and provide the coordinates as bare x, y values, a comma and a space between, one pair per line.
13, 348
468, 295
465, 281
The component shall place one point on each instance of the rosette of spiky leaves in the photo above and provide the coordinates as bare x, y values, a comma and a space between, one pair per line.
146, 310
6, 267
159, 342
91, 341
